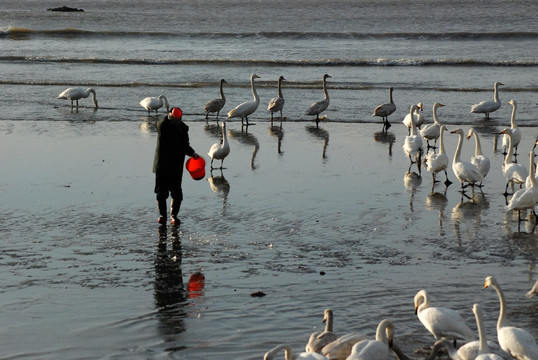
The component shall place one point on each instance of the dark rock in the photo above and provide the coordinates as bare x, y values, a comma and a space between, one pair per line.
64, 9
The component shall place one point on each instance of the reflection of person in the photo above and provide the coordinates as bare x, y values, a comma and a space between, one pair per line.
172, 146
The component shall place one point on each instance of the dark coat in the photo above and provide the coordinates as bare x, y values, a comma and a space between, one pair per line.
172, 146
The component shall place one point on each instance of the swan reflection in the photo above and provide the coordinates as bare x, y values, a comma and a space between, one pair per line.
437, 201
320, 133
412, 180
219, 185
385, 138
244, 137
468, 212
278, 132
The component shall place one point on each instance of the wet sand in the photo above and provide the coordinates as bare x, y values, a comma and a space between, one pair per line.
315, 218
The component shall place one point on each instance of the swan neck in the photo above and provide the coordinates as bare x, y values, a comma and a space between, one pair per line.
513, 118
458, 149
502, 314
390, 96
280, 88
478, 148
325, 88
441, 143
254, 93
435, 120
508, 157
413, 126
221, 92
496, 94
329, 322
224, 137
483, 347
532, 171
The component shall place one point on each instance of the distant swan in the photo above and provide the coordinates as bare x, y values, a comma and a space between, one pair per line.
515, 341
384, 110
75, 94
516, 132
488, 106
247, 108
412, 145
276, 104
513, 172
417, 116
432, 131
270, 355
526, 198
321, 338
220, 150
442, 322
437, 162
480, 160
378, 349
321, 105
217, 104
154, 103
464, 171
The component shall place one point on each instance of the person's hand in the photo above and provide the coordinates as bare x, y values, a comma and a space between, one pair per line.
195, 155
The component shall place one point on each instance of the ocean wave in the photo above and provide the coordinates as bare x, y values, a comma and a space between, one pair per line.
278, 62
18, 32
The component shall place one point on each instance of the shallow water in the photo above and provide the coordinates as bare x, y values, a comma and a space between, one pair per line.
321, 219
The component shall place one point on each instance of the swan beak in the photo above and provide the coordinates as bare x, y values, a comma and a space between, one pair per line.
485, 285
503, 132
416, 309
441, 105
391, 343
453, 132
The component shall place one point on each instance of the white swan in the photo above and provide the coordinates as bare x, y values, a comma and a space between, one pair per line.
321, 105
483, 349
247, 108
217, 104
437, 162
384, 110
442, 322
513, 172
220, 150
515, 341
417, 117
432, 131
154, 103
412, 145
488, 106
341, 347
276, 104
270, 355
534, 291
480, 160
319, 339
75, 94
378, 349
468, 351
464, 171
528, 180
526, 198
516, 132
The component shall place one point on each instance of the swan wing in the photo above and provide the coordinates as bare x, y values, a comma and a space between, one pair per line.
445, 323
384, 110
214, 105
431, 131
74, 94
276, 104
244, 109
485, 107
317, 107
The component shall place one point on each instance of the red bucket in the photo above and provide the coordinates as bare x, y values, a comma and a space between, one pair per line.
196, 167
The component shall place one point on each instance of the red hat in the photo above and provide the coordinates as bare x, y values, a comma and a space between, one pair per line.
176, 112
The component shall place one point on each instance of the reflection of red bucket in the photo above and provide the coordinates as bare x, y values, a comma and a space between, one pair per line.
196, 167
196, 285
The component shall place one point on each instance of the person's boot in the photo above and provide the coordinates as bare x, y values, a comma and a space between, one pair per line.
174, 210
162, 211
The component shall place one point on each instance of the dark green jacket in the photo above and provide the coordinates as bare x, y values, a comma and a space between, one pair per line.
172, 146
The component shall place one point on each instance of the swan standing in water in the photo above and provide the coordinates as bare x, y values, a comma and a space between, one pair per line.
513, 172
220, 150
488, 106
247, 108
277, 103
437, 162
270, 355
320, 106
442, 322
483, 349
321, 338
417, 117
217, 104
378, 349
516, 132
75, 94
413, 143
526, 198
432, 131
515, 341
154, 103
384, 110
464, 171
479, 159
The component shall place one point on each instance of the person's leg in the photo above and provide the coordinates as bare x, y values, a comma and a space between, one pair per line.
161, 190
177, 197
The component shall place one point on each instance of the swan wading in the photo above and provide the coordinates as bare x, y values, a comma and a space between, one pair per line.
412, 145
417, 117
489, 106
516, 132
513, 172
464, 170
154, 103
526, 198
217, 104
432, 131
276, 104
480, 160
320, 106
438, 162
77, 93
247, 108
384, 110
219, 151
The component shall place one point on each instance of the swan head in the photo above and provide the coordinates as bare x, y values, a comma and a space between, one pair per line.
281, 78
420, 298
470, 133
420, 106
490, 282
457, 131
498, 83
507, 131
437, 105
254, 76
512, 102
327, 314
222, 81
442, 128
326, 76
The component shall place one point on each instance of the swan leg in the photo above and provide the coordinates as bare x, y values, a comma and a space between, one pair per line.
447, 182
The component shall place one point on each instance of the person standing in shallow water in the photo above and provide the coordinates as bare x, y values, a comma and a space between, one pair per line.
172, 146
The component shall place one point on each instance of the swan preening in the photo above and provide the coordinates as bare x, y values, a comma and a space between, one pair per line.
517, 342
276, 104
319, 339
154, 103
489, 106
320, 106
217, 104
220, 150
77, 93
384, 110
247, 108
441, 322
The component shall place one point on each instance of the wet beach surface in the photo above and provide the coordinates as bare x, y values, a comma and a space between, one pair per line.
313, 217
